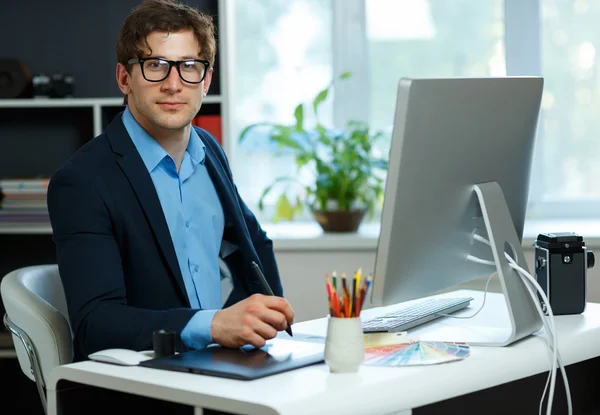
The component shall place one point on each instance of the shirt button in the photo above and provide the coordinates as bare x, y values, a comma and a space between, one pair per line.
187, 223
196, 268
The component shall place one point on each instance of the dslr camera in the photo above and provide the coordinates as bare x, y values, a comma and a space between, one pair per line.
561, 262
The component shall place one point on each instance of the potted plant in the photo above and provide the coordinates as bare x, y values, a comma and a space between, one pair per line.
347, 176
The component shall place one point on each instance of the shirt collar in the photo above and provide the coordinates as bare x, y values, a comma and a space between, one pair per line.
196, 147
151, 151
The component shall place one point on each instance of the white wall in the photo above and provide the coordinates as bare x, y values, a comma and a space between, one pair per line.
303, 276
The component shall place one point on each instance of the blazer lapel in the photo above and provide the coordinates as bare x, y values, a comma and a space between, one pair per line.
223, 186
132, 165
235, 230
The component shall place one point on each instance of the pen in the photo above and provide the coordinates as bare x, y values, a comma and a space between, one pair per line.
353, 303
267, 289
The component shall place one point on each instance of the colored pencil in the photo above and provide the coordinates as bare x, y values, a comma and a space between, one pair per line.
334, 280
353, 304
345, 293
347, 300
329, 295
366, 287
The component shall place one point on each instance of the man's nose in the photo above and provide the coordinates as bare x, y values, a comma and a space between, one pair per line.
173, 81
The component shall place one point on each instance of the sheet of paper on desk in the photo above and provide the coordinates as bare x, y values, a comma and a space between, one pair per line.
371, 339
284, 349
386, 339
416, 353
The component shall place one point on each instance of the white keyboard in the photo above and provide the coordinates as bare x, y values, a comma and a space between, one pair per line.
415, 315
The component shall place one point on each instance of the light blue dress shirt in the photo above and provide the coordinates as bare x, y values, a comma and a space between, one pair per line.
195, 219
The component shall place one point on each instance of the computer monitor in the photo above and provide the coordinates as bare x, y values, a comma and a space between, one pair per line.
459, 165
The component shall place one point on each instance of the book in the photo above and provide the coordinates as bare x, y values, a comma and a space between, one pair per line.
212, 124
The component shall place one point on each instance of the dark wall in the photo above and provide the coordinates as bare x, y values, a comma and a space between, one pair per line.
74, 36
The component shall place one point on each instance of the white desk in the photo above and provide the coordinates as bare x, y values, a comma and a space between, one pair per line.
373, 390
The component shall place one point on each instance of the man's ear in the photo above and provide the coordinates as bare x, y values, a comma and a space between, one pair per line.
207, 80
123, 79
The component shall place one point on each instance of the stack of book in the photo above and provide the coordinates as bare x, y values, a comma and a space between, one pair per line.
23, 201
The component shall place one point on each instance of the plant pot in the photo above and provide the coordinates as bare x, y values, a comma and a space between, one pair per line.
340, 220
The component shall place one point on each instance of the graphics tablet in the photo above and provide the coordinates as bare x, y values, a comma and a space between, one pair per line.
246, 363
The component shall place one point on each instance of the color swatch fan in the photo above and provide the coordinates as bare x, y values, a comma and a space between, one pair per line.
416, 353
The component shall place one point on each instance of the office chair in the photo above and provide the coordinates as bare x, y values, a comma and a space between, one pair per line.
37, 317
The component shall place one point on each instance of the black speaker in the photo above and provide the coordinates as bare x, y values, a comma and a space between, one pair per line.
15, 79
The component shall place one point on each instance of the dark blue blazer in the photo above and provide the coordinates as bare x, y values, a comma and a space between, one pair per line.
115, 255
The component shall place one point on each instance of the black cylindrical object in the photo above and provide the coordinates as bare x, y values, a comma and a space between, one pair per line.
163, 342
15, 79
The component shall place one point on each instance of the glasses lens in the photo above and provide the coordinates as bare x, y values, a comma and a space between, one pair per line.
192, 71
156, 69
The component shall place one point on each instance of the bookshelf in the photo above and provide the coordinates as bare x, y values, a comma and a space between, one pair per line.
102, 109
38, 134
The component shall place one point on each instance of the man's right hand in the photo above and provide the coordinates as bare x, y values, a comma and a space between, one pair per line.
251, 321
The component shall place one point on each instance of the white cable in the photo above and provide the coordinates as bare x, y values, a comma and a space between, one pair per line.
548, 321
480, 308
559, 359
480, 261
481, 239
551, 333
551, 373
551, 346
548, 338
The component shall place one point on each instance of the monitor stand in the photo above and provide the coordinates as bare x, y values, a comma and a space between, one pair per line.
522, 313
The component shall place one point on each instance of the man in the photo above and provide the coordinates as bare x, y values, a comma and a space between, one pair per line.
142, 213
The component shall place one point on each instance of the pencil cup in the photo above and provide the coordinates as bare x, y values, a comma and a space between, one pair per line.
344, 345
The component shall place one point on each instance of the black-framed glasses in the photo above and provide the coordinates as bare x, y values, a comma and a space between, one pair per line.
192, 71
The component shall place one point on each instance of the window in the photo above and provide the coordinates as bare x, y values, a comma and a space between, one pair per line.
429, 38
287, 51
281, 57
568, 150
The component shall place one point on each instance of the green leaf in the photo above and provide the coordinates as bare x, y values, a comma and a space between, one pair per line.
346, 75
321, 96
304, 159
323, 137
283, 208
283, 137
299, 116
245, 131
261, 201
322, 131
276, 218
299, 206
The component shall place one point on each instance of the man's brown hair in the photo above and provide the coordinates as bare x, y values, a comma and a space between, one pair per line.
164, 16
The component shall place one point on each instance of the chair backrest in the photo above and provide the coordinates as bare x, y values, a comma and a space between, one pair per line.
35, 302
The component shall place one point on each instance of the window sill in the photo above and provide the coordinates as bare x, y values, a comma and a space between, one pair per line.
308, 236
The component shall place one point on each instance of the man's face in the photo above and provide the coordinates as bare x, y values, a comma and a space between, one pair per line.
170, 104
